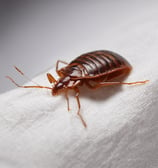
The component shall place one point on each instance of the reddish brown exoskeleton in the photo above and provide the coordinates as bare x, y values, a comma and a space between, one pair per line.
95, 69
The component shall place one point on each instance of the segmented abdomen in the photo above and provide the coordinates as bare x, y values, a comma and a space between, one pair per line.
99, 62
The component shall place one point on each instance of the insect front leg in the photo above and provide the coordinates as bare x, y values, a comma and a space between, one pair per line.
57, 65
67, 99
79, 107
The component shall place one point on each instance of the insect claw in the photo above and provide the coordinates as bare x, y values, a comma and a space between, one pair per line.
82, 120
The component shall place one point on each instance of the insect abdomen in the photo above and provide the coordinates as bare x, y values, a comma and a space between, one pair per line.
99, 62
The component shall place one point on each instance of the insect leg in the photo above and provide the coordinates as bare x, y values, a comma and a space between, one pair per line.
79, 106
57, 64
26, 86
90, 85
118, 83
67, 99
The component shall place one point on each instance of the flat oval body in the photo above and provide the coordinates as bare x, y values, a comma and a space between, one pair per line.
98, 64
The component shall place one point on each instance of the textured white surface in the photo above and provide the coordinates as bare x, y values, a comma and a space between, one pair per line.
36, 131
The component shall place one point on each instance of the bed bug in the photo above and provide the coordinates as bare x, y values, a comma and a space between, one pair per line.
94, 69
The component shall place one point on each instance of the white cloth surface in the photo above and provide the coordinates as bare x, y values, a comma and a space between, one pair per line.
36, 131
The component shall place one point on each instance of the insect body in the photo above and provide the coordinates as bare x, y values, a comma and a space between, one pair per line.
94, 69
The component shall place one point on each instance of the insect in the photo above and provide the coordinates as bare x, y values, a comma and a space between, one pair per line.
94, 69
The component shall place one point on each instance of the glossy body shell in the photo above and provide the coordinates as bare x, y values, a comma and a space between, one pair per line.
101, 65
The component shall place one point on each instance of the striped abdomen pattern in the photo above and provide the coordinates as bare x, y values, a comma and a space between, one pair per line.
99, 62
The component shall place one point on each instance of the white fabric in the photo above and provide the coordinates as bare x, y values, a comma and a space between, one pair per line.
37, 131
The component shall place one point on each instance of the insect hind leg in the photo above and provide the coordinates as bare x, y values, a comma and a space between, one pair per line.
101, 84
